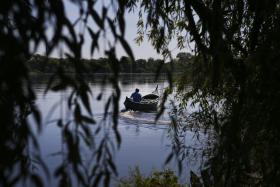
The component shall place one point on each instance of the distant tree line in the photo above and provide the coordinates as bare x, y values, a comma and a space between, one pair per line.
42, 64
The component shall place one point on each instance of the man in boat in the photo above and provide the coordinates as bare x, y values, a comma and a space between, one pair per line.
136, 96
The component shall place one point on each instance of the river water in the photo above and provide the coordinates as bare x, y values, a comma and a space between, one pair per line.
144, 143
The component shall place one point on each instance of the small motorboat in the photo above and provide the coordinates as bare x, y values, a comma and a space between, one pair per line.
148, 103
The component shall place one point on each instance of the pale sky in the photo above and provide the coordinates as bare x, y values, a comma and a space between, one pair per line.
145, 50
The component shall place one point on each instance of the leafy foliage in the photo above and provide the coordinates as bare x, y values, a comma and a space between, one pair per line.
26, 25
234, 81
157, 178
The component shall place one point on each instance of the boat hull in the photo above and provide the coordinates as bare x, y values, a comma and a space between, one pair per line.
144, 105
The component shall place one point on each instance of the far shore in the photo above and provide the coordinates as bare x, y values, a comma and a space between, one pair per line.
32, 73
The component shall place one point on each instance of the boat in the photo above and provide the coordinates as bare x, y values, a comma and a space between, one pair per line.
148, 103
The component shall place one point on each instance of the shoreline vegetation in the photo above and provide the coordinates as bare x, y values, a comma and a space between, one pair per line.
165, 177
38, 64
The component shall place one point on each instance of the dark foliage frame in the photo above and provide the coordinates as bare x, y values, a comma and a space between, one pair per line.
23, 29
237, 44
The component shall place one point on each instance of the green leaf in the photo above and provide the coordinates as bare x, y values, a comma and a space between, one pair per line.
112, 166
37, 180
126, 48
168, 159
88, 120
97, 18
97, 179
85, 100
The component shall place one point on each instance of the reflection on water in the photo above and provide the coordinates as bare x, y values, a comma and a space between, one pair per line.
142, 118
144, 142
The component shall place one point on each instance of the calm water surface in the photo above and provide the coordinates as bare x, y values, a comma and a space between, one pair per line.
144, 143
